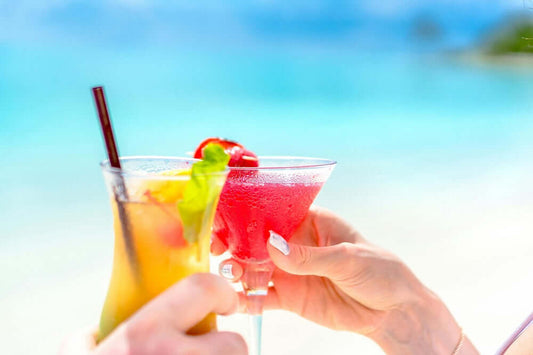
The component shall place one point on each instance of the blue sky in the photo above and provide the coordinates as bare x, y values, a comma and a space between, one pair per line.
137, 22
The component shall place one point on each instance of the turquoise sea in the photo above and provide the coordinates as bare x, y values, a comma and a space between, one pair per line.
434, 162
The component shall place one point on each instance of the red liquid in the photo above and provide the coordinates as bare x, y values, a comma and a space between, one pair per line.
252, 204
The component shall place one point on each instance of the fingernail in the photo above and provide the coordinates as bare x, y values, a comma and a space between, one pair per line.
227, 271
278, 242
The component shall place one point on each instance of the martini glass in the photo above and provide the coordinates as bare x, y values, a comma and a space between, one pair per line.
257, 201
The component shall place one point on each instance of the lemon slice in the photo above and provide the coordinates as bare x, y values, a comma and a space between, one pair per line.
167, 191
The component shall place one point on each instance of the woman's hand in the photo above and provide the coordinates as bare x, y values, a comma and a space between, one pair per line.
160, 326
332, 276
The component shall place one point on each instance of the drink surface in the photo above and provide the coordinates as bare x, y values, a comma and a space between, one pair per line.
251, 205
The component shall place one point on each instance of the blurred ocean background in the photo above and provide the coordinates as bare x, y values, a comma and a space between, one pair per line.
434, 142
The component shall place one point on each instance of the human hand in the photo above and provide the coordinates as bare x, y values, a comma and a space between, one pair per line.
160, 326
334, 277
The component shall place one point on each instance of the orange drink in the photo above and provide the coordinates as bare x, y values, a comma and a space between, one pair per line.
163, 210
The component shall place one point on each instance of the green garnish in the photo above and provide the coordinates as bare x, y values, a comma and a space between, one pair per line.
202, 191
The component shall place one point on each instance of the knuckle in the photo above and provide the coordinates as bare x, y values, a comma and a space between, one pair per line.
167, 342
234, 344
145, 336
347, 249
350, 262
205, 282
304, 256
349, 254
163, 347
142, 326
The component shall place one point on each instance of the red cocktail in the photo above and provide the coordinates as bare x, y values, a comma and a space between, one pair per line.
255, 201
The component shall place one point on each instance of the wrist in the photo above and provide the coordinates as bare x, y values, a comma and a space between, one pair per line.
422, 326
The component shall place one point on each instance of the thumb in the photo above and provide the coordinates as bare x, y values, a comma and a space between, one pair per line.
305, 260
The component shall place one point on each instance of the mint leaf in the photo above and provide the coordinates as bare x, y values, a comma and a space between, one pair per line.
202, 192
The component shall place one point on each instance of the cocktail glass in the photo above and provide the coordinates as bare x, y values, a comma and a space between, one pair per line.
255, 201
156, 244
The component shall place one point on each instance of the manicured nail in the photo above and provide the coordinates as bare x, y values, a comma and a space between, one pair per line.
227, 271
278, 242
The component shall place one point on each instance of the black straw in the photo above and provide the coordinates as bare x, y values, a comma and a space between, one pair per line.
119, 187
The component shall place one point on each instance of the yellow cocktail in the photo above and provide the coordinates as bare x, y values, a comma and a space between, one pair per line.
163, 210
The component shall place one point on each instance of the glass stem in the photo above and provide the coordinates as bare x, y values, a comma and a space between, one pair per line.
255, 285
256, 324
254, 302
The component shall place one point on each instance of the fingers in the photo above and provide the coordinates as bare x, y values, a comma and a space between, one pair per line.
160, 326
217, 246
231, 270
322, 227
220, 343
304, 260
169, 341
189, 301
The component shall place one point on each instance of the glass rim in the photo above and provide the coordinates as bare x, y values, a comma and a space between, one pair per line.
312, 163
106, 167
307, 163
